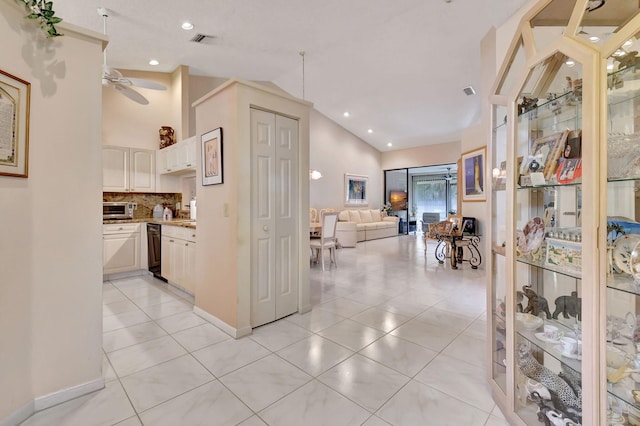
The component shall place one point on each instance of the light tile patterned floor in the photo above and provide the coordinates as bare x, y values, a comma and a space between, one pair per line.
392, 340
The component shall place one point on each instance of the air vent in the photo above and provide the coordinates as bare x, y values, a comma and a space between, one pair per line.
199, 38
469, 91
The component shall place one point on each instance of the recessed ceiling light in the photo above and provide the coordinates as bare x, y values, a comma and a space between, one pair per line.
389, 144
346, 113
594, 39
370, 130
619, 52
154, 62
570, 63
627, 43
187, 26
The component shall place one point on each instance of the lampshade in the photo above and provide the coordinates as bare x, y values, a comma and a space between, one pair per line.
314, 174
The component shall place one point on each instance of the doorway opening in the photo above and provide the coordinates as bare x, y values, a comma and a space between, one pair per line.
421, 195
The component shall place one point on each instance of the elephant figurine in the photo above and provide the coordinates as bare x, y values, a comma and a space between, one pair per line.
569, 306
536, 304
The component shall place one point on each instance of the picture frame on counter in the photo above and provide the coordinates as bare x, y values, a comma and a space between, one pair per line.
15, 98
212, 164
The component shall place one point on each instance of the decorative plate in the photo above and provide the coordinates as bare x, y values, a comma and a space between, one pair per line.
622, 249
572, 356
533, 235
541, 336
634, 262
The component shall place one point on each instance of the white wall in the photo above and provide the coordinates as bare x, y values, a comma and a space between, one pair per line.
127, 123
428, 155
335, 151
50, 222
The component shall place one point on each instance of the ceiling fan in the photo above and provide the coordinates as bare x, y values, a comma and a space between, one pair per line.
448, 176
111, 77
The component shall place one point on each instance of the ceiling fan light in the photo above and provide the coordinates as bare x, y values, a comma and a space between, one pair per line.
154, 62
187, 25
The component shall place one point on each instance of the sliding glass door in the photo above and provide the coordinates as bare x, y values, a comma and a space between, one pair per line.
421, 195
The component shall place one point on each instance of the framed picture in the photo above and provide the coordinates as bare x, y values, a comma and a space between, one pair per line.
544, 154
473, 167
15, 95
355, 190
212, 157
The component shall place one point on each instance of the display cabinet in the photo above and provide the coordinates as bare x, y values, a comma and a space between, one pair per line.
564, 291
622, 268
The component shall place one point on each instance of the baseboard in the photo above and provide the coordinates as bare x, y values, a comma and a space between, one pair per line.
231, 331
64, 395
46, 401
120, 275
20, 415
304, 309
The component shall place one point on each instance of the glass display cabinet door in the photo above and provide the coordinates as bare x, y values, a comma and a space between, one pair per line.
498, 239
548, 246
623, 235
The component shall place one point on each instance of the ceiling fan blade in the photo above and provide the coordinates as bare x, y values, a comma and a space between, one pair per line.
139, 82
131, 94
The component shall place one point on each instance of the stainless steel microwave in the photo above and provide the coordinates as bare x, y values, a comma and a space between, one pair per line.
117, 210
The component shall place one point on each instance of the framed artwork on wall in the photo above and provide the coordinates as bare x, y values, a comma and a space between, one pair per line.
355, 189
212, 157
15, 95
473, 167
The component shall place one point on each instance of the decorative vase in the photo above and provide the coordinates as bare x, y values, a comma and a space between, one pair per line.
167, 137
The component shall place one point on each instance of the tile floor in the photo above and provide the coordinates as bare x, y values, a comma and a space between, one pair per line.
391, 340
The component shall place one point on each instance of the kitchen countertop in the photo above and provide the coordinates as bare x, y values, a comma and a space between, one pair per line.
185, 223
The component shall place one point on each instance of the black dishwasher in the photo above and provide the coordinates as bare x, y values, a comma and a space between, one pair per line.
154, 234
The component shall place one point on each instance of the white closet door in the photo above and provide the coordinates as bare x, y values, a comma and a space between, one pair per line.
274, 151
286, 216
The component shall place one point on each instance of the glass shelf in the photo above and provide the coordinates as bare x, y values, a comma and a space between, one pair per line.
550, 186
552, 349
542, 265
623, 282
630, 179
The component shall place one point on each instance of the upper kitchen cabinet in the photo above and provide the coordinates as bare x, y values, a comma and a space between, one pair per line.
128, 169
179, 158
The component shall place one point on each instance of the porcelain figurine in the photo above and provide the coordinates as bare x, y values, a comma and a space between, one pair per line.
568, 306
536, 304
167, 136
563, 396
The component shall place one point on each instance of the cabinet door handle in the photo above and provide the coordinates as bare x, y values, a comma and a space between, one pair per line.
186, 244
120, 229
189, 165
168, 170
170, 241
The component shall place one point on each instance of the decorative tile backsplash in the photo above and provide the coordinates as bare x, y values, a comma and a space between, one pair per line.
146, 201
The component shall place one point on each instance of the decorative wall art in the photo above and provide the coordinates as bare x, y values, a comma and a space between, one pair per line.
212, 157
355, 190
15, 95
473, 167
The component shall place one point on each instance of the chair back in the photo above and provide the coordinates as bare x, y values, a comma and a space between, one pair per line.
323, 212
329, 223
313, 215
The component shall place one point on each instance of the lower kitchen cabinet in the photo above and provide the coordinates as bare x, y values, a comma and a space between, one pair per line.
121, 248
178, 256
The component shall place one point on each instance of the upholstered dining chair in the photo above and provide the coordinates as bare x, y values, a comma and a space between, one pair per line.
322, 213
327, 240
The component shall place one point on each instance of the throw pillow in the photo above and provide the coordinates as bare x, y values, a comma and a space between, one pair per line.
365, 216
354, 216
376, 216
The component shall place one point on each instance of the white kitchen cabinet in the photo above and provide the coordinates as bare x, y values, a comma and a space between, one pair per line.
128, 169
178, 256
179, 158
121, 248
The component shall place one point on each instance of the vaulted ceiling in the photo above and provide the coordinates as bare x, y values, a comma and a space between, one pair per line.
398, 67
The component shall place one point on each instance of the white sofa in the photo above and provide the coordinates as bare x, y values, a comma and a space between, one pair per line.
364, 224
